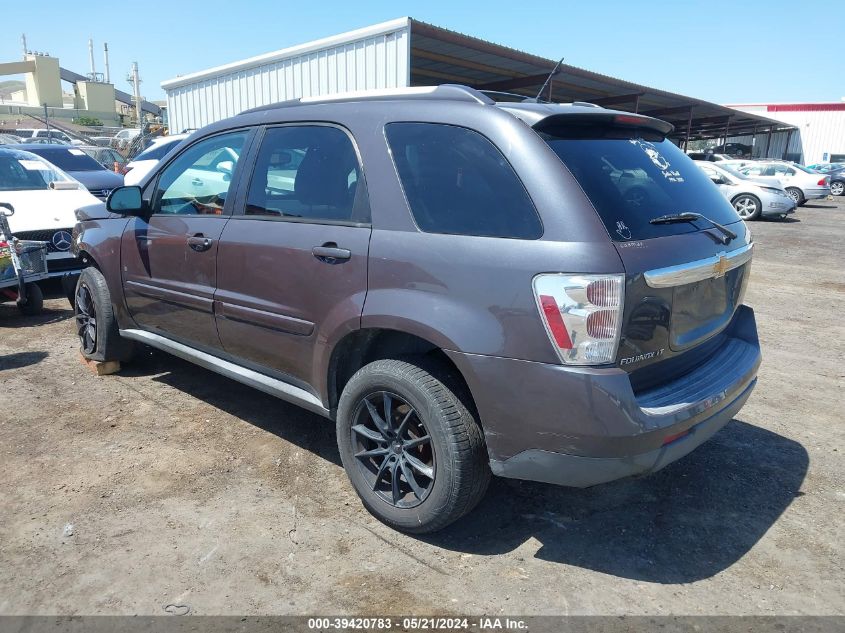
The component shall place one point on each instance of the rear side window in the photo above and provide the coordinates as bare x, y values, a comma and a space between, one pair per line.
308, 173
457, 182
631, 180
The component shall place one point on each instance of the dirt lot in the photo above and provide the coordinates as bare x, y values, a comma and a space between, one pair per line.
184, 488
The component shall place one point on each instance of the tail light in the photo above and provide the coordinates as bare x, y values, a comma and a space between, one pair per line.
582, 315
823, 182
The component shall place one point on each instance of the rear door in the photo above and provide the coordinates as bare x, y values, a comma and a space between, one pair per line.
684, 279
170, 259
292, 264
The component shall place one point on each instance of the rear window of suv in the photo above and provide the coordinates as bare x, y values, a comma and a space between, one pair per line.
457, 182
632, 176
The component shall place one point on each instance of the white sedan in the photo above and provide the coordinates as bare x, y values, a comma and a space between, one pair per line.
44, 198
800, 183
750, 199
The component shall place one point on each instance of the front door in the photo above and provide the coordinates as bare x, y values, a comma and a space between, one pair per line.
292, 264
170, 259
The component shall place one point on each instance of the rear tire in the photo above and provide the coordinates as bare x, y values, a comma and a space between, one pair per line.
96, 325
747, 206
796, 194
413, 451
837, 188
34, 300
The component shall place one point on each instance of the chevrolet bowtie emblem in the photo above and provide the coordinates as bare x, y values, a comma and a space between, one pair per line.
721, 267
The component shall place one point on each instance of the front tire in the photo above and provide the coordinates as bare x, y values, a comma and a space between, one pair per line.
96, 325
837, 188
33, 303
411, 447
748, 207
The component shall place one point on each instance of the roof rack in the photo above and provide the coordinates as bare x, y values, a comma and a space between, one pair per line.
448, 92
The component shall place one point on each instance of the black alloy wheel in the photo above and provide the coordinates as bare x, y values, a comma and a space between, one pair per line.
393, 449
86, 319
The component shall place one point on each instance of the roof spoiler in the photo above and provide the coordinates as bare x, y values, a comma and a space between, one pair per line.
606, 117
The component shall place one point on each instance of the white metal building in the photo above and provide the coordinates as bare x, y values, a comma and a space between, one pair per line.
818, 135
368, 58
406, 52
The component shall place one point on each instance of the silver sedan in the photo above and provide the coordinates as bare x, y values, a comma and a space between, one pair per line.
750, 199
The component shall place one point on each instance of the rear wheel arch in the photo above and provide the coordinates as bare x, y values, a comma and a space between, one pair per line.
361, 347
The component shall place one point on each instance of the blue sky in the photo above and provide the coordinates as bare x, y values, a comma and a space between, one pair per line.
722, 51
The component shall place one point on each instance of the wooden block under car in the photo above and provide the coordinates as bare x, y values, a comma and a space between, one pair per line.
101, 368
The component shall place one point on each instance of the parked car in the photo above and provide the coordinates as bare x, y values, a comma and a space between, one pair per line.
417, 267
739, 150
44, 198
710, 156
107, 157
751, 200
101, 141
824, 168
79, 165
10, 139
800, 183
837, 181
136, 169
31, 135
122, 139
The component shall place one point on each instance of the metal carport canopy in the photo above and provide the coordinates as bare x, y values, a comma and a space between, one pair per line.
439, 56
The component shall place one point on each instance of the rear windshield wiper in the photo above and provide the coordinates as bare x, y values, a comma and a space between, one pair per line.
689, 216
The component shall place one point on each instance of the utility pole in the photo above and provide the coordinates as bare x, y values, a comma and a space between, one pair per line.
136, 82
106, 59
23, 44
47, 120
91, 59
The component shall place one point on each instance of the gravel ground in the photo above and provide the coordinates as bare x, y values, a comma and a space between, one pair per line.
169, 485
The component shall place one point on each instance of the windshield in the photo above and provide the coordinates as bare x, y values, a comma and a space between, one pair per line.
157, 150
804, 169
631, 179
69, 158
23, 171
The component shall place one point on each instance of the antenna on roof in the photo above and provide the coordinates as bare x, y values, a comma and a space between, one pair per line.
548, 79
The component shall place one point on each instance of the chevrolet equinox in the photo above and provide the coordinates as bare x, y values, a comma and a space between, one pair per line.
543, 291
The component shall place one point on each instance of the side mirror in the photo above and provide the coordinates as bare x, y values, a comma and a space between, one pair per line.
125, 201
6, 209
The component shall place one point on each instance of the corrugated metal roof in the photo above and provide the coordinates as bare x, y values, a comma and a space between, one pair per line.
368, 58
439, 55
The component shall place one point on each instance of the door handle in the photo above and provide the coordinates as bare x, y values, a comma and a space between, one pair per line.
196, 182
330, 253
200, 243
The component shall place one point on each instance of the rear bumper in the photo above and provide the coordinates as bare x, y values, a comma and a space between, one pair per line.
815, 194
581, 472
584, 426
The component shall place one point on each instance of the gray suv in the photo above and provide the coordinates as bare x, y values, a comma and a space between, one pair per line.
465, 287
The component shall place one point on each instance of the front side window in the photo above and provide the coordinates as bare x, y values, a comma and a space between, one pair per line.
457, 182
307, 172
198, 180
